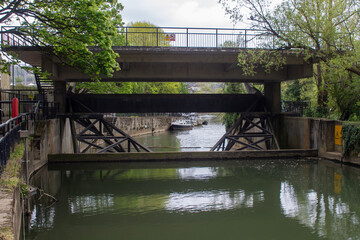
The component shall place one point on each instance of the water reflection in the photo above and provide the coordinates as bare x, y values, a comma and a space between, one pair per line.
212, 201
327, 215
304, 199
90, 204
199, 173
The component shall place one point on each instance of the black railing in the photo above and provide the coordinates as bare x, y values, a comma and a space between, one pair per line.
27, 98
197, 37
9, 135
9, 131
299, 107
168, 37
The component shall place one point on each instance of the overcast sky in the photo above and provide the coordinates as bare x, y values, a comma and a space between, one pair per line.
177, 13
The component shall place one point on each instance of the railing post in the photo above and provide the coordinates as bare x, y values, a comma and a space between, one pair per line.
216, 38
187, 37
157, 36
245, 39
126, 36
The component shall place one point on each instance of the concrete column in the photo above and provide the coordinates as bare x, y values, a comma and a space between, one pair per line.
60, 95
272, 92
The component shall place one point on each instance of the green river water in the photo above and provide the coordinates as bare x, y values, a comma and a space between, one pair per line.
252, 199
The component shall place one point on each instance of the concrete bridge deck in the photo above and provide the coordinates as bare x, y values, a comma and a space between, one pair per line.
169, 64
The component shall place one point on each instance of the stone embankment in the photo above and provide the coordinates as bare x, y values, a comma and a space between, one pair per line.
135, 126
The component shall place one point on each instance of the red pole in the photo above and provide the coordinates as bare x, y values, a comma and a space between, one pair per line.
15, 107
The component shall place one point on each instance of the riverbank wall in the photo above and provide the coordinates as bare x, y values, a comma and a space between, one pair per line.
51, 136
45, 137
135, 126
313, 133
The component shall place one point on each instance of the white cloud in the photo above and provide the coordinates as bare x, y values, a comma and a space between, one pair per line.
175, 13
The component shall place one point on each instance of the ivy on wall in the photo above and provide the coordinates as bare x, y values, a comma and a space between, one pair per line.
351, 138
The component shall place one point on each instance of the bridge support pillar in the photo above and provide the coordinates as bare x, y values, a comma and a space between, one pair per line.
272, 93
60, 95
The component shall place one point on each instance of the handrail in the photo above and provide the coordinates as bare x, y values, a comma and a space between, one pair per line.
9, 135
170, 37
13, 122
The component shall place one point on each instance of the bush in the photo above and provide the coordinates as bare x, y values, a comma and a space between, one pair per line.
351, 138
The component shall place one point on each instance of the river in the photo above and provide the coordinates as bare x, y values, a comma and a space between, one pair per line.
250, 199
200, 138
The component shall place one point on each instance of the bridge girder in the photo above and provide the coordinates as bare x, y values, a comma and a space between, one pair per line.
171, 64
156, 103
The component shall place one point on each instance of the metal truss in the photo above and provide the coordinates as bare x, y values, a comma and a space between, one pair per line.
252, 131
100, 134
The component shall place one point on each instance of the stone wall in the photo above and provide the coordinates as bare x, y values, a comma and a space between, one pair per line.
144, 125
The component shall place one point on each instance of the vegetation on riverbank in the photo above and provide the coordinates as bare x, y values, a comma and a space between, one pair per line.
325, 33
351, 138
10, 178
6, 233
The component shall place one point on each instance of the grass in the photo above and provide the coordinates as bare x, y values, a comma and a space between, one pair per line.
10, 177
6, 234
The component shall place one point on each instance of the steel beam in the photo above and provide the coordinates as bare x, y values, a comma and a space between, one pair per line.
141, 103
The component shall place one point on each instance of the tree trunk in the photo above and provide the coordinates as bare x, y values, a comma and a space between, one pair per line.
322, 95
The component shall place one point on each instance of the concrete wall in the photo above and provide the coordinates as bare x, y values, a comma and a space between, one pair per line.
311, 133
50, 137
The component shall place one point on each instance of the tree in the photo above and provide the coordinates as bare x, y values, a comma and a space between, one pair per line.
325, 31
69, 29
145, 34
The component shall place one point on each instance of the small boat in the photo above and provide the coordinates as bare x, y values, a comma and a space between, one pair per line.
181, 125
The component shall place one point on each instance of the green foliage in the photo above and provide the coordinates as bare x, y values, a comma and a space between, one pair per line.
230, 118
146, 34
131, 87
71, 29
351, 138
10, 178
251, 60
6, 233
293, 92
234, 88
344, 89
299, 90
322, 30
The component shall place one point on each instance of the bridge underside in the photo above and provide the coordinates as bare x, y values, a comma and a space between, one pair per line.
156, 103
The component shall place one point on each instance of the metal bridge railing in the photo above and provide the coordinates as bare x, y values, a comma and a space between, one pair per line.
197, 37
9, 135
167, 37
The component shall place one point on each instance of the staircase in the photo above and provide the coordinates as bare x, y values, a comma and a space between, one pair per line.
44, 86
46, 89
